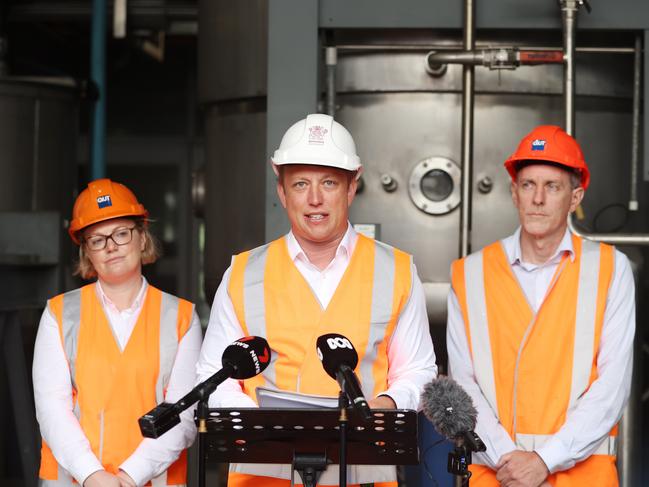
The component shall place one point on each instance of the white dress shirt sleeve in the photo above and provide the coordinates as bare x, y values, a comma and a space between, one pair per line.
54, 407
154, 456
460, 366
601, 406
411, 356
222, 329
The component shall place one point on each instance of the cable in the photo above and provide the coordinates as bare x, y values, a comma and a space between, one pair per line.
603, 210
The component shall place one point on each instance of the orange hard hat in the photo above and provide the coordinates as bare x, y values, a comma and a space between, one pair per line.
552, 144
102, 200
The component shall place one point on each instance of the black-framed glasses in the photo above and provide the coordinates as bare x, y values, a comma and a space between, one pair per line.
121, 236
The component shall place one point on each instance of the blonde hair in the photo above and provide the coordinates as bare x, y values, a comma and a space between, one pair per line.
84, 268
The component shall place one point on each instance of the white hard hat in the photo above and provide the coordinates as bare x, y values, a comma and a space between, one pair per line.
319, 140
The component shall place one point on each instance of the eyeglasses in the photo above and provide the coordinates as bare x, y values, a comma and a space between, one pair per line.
121, 236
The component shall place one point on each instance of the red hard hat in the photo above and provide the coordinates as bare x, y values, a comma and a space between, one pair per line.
102, 200
549, 143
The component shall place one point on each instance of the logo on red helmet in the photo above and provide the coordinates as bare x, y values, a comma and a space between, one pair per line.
317, 134
538, 144
104, 201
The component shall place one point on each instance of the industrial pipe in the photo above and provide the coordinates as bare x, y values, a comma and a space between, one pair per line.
495, 57
635, 133
569, 21
451, 47
468, 93
331, 60
98, 76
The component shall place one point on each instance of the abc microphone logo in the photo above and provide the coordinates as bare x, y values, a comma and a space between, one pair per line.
339, 342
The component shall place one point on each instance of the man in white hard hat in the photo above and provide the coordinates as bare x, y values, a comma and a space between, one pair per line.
322, 277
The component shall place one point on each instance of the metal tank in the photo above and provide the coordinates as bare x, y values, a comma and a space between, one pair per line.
406, 123
232, 90
38, 140
39, 120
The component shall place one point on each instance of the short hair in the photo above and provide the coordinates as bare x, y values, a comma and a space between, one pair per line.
84, 268
575, 174
351, 175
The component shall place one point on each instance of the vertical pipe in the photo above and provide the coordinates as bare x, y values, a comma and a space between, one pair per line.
467, 131
569, 19
635, 135
331, 59
98, 77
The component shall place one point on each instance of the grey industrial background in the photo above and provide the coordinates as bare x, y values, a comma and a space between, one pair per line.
198, 94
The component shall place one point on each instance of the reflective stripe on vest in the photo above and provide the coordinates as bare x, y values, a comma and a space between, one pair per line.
585, 321
587, 278
607, 446
254, 303
175, 320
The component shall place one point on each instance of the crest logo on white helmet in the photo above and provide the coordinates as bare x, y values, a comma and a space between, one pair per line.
317, 134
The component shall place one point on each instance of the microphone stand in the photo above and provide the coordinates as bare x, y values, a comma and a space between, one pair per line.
460, 458
342, 421
202, 412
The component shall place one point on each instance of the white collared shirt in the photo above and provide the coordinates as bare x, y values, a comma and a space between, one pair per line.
600, 408
53, 397
410, 352
122, 322
535, 278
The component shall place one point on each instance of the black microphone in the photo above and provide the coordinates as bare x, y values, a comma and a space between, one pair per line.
339, 359
451, 411
242, 359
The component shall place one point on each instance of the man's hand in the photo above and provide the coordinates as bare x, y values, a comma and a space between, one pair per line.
521, 469
382, 402
102, 478
125, 479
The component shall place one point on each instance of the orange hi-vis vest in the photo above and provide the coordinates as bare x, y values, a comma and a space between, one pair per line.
112, 388
533, 367
272, 299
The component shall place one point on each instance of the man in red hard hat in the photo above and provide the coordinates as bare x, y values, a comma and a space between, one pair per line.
540, 331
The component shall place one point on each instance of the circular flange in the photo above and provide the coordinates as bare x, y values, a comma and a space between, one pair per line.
434, 185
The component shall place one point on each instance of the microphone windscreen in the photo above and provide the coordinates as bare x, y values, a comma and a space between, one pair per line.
335, 350
448, 407
248, 355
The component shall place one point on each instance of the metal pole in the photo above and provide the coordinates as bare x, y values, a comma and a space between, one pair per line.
98, 76
331, 59
468, 84
635, 134
569, 19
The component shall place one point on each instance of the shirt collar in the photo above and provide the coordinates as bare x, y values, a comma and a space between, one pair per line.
514, 252
345, 247
137, 302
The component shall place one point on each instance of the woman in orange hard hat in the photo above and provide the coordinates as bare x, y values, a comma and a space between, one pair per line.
109, 352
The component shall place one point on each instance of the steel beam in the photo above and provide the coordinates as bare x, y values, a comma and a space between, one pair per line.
293, 88
494, 14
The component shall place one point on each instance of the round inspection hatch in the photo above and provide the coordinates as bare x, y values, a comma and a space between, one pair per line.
434, 185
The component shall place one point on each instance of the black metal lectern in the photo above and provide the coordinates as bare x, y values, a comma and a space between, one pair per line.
308, 439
